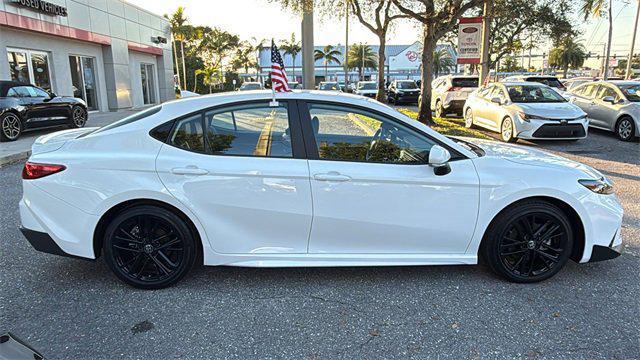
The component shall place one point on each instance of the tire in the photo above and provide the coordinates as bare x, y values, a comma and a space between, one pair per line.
439, 109
625, 129
10, 127
526, 254
505, 134
468, 119
140, 250
78, 117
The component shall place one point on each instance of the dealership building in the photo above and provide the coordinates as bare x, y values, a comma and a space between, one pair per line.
110, 53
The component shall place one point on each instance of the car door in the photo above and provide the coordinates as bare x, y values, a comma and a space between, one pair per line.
44, 110
373, 192
242, 171
493, 111
603, 114
583, 98
482, 106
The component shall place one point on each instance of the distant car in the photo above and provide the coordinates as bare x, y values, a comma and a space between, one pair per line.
542, 79
525, 110
329, 86
187, 93
250, 85
26, 107
403, 91
449, 93
611, 105
367, 88
295, 85
572, 83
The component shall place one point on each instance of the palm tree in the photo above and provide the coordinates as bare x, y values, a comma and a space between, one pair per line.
211, 76
292, 48
328, 55
243, 58
361, 56
178, 23
596, 9
442, 61
257, 45
567, 54
216, 45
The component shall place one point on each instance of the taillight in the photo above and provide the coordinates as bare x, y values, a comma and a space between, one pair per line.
454, 88
35, 171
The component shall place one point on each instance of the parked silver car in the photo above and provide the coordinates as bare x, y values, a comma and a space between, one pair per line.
525, 110
449, 93
611, 105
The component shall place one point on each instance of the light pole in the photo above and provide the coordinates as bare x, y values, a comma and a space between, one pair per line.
633, 40
484, 56
346, 46
308, 70
605, 76
362, 76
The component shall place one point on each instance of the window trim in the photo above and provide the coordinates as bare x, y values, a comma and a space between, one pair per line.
312, 147
297, 145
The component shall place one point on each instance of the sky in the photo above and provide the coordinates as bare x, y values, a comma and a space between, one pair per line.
264, 19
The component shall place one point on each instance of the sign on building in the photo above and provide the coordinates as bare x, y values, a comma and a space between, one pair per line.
469, 40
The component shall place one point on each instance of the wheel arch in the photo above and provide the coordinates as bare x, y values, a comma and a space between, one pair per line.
98, 233
574, 218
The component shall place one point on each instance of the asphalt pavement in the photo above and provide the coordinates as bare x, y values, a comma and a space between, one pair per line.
69, 308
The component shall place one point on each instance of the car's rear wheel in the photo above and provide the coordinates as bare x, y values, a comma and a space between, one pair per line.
625, 129
468, 118
10, 127
78, 117
149, 247
507, 131
439, 109
529, 242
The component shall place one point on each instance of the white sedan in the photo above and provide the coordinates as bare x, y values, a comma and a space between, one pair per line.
318, 179
525, 110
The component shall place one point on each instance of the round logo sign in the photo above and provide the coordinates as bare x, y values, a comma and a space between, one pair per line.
411, 55
469, 30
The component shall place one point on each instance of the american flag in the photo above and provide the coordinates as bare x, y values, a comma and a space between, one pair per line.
278, 75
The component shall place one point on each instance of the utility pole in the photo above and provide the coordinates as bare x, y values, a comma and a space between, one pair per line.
308, 70
362, 77
606, 63
633, 40
484, 56
346, 46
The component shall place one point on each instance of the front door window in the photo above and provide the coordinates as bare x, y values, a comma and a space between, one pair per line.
30, 67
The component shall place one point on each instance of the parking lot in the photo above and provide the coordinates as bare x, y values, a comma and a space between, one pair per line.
70, 308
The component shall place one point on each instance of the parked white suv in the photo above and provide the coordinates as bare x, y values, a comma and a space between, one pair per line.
367, 88
450, 92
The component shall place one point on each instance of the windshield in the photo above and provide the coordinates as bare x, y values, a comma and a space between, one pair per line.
465, 82
250, 86
631, 91
367, 86
406, 85
533, 94
553, 82
329, 86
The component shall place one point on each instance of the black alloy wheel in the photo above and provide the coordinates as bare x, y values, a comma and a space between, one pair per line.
149, 247
530, 242
10, 127
78, 117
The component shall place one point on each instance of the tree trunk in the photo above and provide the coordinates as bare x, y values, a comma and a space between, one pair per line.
380, 96
565, 70
184, 71
424, 111
175, 59
293, 69
326, 69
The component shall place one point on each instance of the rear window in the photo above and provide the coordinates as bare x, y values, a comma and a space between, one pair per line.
553, 82
465, 82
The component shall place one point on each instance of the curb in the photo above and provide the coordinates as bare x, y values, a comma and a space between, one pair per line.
14, 158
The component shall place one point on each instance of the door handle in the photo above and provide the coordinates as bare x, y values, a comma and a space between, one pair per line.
331, 176
189, 170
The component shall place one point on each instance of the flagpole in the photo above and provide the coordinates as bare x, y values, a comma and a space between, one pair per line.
273, 102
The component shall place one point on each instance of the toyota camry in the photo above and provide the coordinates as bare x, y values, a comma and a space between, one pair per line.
311, 179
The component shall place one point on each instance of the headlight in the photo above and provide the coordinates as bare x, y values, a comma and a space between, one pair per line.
598, 186
527, 117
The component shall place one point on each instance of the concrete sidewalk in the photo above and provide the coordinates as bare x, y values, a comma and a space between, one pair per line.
20, 149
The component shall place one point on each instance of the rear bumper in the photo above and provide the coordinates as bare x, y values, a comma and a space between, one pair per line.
454, 105
42, 242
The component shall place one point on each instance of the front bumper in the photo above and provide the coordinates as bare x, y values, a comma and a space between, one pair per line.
408, 97
612, 251
552, 130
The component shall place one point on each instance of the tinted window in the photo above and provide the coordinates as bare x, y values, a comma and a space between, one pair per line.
465, 82
188, 134
406, 85
39, 92
250, 86
607, 91
553, 82
590, 91
19, 91
354, 135
631, 91
485, 92
533, 94
255, 130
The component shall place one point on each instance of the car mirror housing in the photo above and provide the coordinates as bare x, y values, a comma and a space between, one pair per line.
439, 159
496, 100
609, 99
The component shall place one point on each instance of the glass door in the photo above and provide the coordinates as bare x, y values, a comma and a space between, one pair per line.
148, 84
83, 79
29, 66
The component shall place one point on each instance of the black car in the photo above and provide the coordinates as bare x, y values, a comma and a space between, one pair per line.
26, 107
403, 91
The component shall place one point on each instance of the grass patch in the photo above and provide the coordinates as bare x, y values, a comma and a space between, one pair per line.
448, 126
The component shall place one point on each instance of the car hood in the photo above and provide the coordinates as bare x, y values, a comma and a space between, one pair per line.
552, 110
528, 156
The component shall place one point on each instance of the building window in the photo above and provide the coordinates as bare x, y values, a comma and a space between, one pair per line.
148, 84
30, 67
83, 79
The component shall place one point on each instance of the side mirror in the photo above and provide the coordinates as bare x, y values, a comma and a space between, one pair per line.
439, 159
609, 99
496, 100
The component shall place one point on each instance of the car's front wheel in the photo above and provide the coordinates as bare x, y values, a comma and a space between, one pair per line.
149, 247
78, 117
625, 129
10, 127
468, 118
507, 131
439, 109
528, 242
